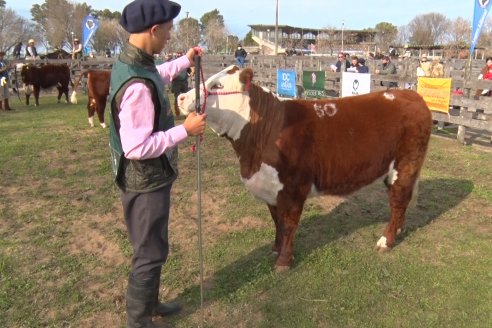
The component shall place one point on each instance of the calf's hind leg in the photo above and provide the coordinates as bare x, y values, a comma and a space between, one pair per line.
401, 193
91, 109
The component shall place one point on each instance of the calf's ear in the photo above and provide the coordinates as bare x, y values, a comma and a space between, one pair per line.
246, 76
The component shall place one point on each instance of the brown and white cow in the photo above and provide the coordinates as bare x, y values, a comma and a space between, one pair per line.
97, 91
44, 77
290, 150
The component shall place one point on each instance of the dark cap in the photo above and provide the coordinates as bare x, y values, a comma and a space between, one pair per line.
361, 61
139, 15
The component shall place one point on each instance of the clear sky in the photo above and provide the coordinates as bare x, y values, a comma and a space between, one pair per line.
355, 14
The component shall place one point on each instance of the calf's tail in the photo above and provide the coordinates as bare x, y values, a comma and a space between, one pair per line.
73, 97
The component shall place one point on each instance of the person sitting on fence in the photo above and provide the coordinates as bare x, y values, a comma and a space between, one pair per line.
387, 68
437, 69
77, 49
17, 50
31, 52
425, 65
485, 71
240, 55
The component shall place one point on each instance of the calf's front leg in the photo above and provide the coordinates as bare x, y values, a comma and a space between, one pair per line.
289, 215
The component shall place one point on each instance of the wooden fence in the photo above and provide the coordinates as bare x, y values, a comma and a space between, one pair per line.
467, 111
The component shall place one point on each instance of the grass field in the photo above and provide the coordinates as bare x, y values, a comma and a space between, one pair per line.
64, 253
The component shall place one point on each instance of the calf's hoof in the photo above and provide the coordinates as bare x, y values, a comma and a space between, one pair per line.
382, 245
281, 268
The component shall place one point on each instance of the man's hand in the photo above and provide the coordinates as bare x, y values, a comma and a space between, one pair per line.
195, 124
191, 54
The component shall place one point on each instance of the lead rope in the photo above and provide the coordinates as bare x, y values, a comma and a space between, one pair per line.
198, 183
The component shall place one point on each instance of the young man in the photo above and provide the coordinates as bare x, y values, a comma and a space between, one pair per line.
143, 141
4, 83
240, 55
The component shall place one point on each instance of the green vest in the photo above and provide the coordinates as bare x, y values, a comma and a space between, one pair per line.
149, 174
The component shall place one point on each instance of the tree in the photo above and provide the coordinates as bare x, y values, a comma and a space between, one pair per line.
215, 36
403, 36
14, 29
2, 3
385, 35
429, 29
107, 14
328, 40
58, 19
212, 16
248, 39
109, 35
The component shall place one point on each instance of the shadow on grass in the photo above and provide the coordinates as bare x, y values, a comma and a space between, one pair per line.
366, 207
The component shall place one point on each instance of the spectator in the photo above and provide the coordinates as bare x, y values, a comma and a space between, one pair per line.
483, 72
77, 49
354, 63
240, 55
342, 63
387, 68
425, 65
31, 52
4, 82
437, 69
17, 50
361, 66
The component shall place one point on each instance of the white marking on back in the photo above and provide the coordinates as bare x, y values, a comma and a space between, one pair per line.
264, 184
389, 96
329, 109
392, 173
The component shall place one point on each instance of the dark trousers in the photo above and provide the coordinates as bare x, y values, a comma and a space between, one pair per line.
147, 217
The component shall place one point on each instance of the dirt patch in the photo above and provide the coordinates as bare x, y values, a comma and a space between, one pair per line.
89, 240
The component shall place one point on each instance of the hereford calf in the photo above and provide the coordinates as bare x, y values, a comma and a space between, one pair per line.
290, 150
97, 91
44, 77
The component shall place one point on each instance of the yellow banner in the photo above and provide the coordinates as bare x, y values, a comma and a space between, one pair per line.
436, 92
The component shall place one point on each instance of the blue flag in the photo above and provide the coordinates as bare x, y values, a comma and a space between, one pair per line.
480, 13
89, 26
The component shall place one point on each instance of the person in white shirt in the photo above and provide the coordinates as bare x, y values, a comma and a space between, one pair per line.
77, 49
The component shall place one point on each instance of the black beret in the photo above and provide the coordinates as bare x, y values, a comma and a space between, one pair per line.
139, 15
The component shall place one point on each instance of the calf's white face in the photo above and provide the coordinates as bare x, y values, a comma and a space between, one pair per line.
226, 102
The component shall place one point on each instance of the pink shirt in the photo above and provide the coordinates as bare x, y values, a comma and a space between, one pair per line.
137, 118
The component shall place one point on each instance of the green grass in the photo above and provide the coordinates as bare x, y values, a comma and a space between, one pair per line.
64, 252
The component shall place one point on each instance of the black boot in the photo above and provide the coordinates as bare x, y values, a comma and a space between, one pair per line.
6, 103
163, 309
140, 300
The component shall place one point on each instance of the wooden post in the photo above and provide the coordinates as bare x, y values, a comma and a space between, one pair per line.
461, 128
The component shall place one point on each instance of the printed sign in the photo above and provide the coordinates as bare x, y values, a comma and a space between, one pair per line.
354, 84
436, 92
286, 83
480, 13
90, 25
313, 83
